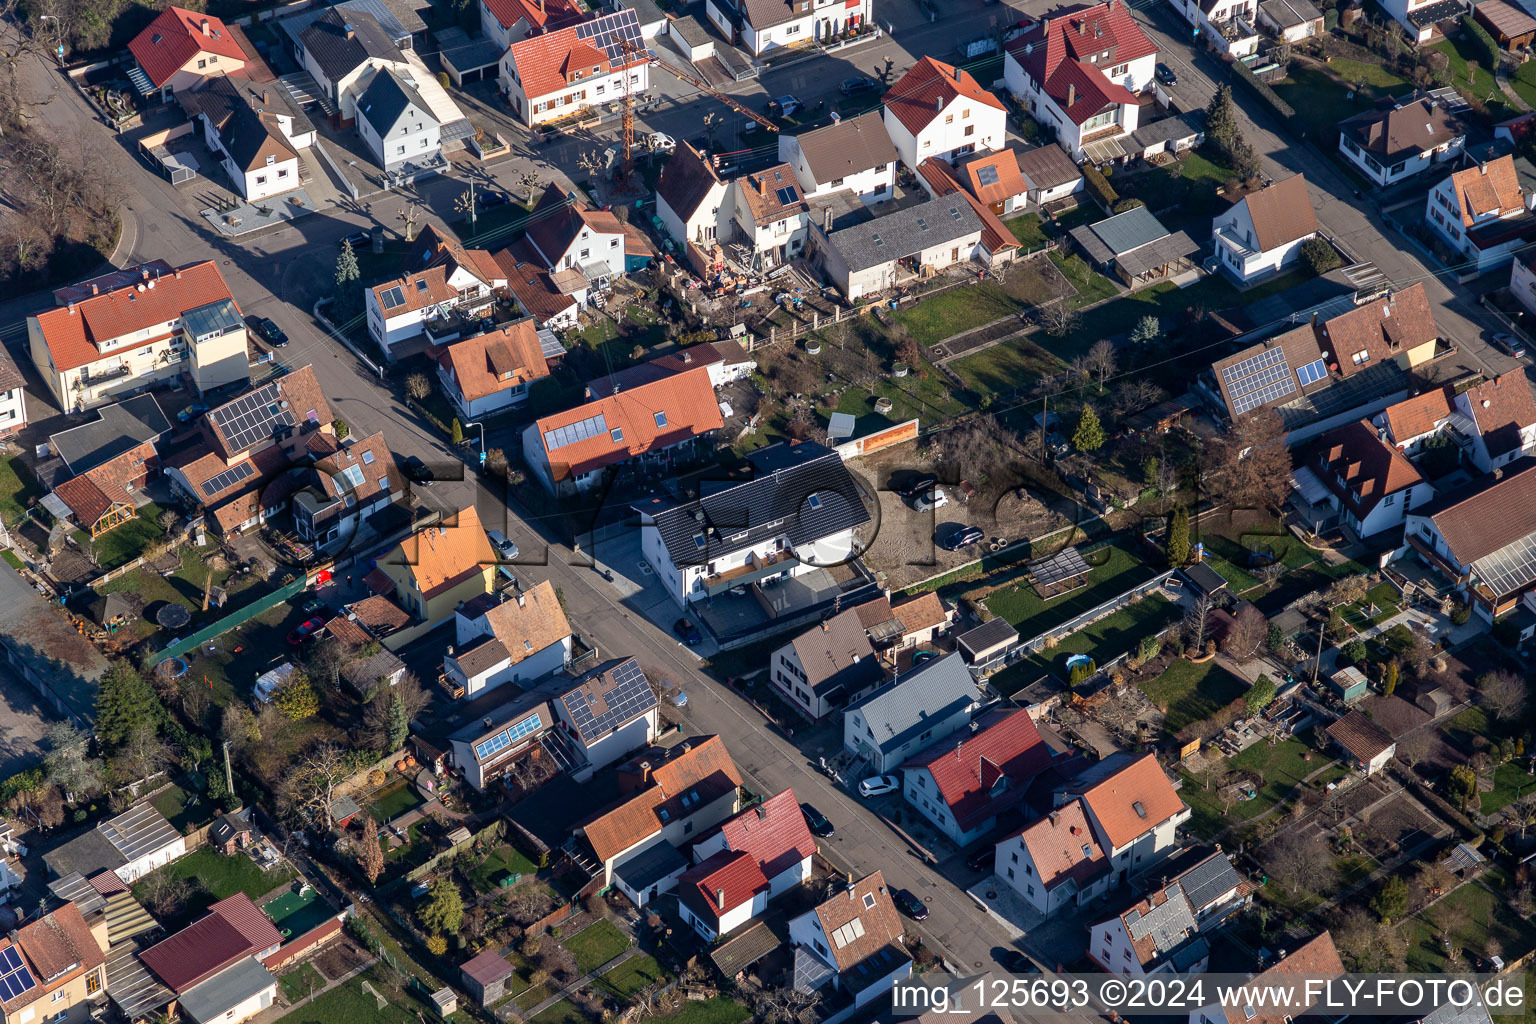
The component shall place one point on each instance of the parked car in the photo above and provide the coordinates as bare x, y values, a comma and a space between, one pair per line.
677, 698
819, 824
687, 632
879, 785
784, 106
417, 472
1510, 345
491, 198
1015, 962
192, 411
907, 902
912, 488
505, 548
930, 500
660, 142
857, 84
358, 239
963, 537
1165, 74
304, 630
982, 858
267, 331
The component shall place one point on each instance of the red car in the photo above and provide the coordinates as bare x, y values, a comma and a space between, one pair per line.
305, 630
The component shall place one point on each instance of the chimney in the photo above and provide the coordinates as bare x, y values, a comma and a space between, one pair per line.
144, 273
348, 30
957, 74
205, 27
71, 308
178, 273
1082, 28
1055, 817
687, 358
645, 771
838, 119
762, 812
720, 898
826, 220
1071, 95
762, 187
522, 601
95, 290
265, 97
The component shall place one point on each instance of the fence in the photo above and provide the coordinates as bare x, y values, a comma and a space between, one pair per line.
1091, 616
424, 869
229, 622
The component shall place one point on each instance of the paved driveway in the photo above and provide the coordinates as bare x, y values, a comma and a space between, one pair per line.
23, 724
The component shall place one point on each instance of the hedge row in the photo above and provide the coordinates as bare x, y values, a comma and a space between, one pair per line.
1099, 187
1488, 50
1264, 92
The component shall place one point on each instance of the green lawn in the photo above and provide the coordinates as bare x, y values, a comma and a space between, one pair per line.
184, 810
1006, 367
1489, 917
1113, 571
1190, 692
1509, 779
563, 1012
1091, 287
11, 559
498, 864
1480, 86
349, 1004
928, 398
960, 309
1280, 768
1181, 193
300, 981
719, 1010
1323, 97
122, 544
220, 876
18, 489
1467, 725
1524, 82
634, 975
596, 944
394, 801
1105, 639
1386, 600
1028, 230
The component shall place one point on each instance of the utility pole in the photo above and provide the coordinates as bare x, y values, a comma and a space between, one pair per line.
1317, 662
229, 778
1045, 414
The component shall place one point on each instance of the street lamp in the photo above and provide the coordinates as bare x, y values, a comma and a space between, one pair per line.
482, 439
58, 51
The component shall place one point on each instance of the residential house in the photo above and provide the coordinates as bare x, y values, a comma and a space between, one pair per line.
350, 482
853, 941
1135, 247
1226, 26
761, 26
485, 975
1291, 21
1409, 136
997, 245
448, 289
255, 129
651, 428
363, 671
1482, 213
1367, 745
1261, 234
1133, 808
721, 894
770, 215
181, 48
130, 845
1482, 541
798, 510
561, 74
231, 832
13, 399
608, 713
927, 705
726, 361
827, 667
491, 372
139, 327
1297, 999
774, 834
690, 198
235, 994
54, 968
1054, 862
1049, 174
1211, 883
1399, 325
646, 875
1522, 279
995, 180
938, 110
1168, 930
923, 619
1503, 416
554, 300
569, 235
962, 787
669, 796
853, 154
1173, 134
914, 242
1511, 27
215, 963
490, 746
435, 570
108, 461
505, 22
1425, 20
1413, 421
1370, 484
395, 122
1080, 70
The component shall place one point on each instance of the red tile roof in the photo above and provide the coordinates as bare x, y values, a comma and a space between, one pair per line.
1362, 738
1371, 468
557, 222
705, 769
1490, 519
229, 932
915, 99
1009, 181
1502, 407
541, 15
1382, 328
1113, 801
72, 333
1418, 415
944, 181
1063, 847
685, 401
499, 361
1316, 958
721, 884
530, 283
774, 833
59, 944
89, 503
544, 62
967, 770
924, 611
1487, 188
1055, 50
178, 35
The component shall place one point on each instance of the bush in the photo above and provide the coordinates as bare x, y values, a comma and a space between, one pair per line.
1128, 204
1330, 19
436, 944
1482, 42
1319, 255
1353, 652
1461, 613
1149, 647
341, 429
1264, 92
1080, 672
1259, 694
1099, 187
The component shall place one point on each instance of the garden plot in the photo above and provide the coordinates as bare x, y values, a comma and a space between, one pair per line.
1397, 824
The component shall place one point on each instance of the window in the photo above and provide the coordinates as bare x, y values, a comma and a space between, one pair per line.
970, 130
1014, 857
424, 143
617, 434
1361, 358
586, 253
1389, 499
384, 483
661, 419
400, 150
213, 58
202, 64
261, 179
613, 243
1010, 872
271, 160
869, 901
1028, 870
58, 995
949, 118
687, 828
835, 182
93, 983
282, 172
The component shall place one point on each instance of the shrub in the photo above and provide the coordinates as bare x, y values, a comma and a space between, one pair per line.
1128, 204
1353, 652
1080, 672
1319, 255
1264, 92
436, 944
1482, 42
1099, 187
1149, 647
1259, 694
1330, 19
1461, 613
341, 429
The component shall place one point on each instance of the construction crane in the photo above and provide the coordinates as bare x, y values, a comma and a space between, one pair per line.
629, 49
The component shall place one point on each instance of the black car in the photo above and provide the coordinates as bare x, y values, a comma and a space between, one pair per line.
982, 859
819, 824
918, 485
687, 632
1015, 962
857, 84
908, 903
357, 240
490, 198
963, 537
1165, 74
417, 472
267, 331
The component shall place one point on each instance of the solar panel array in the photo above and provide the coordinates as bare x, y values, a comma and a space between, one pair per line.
787, 195
393, 297
228, 478
629, 697
607, 31
1063, 565
15, 977
1312, 372
253, 417
1259, 380
578, 431
987, 175
504, 739
1509, 569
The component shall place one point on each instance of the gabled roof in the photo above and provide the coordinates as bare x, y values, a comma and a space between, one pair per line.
532, 285
445, 555
1418, 415
1208, 881
837, 656
772, 194
501, 360
1370, 467
1491, 518
1317, 958
435, 247
541, 15
340, 41
1133, 801
922, 93
360, 468
251, 138
558, 220
1158, 924
1046, 167
1486, 188
257, 417
707, 353
859, 922
1063, 848
231, 930
934, 692
993, 177
1410, 126
1502, 408
905, 232
943, 181
721, 883
682, 779
608, 698
1361, 737
178, 35
1281, 212
980, 774
544, 62
687, 179
774, 833
1066, 52
72, 332
59, 944
616, 428
847, 147
1382, 328
387, 100
487, 968
528, 623
925, 611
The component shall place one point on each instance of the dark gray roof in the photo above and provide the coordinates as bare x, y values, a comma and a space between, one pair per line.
396, 18
47, 651
902, 709
1130, 230
608, 698
737, 954
646, 11
1289, 13
802, 491
1207, 881
1180, 126
1046, 167
1158, 254
986, 636
889, 238
1473, 1013
246, 137
387, 100
1168, 924
226, 990
650, 866
86, 854
118, 428
326, 39
1205, 578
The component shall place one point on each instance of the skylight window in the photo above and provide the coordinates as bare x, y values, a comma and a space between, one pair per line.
877, 239
1087, 850
368, 457
661, 419
922, 224
1140, 809
814, 501
617, 433
869, 901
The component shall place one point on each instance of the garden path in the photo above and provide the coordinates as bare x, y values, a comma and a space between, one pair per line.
581, 982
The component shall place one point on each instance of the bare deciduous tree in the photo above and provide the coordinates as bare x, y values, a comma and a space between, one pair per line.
1100, 361
1247, 635
781, 1006
1197, 622
418, 386
977, 448
1299, 860
1250, 465
1502, 692
312, 785
1413, 748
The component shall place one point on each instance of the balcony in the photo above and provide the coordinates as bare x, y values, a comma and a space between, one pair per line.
449, 321
100, 376
756, 567
1229, 239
